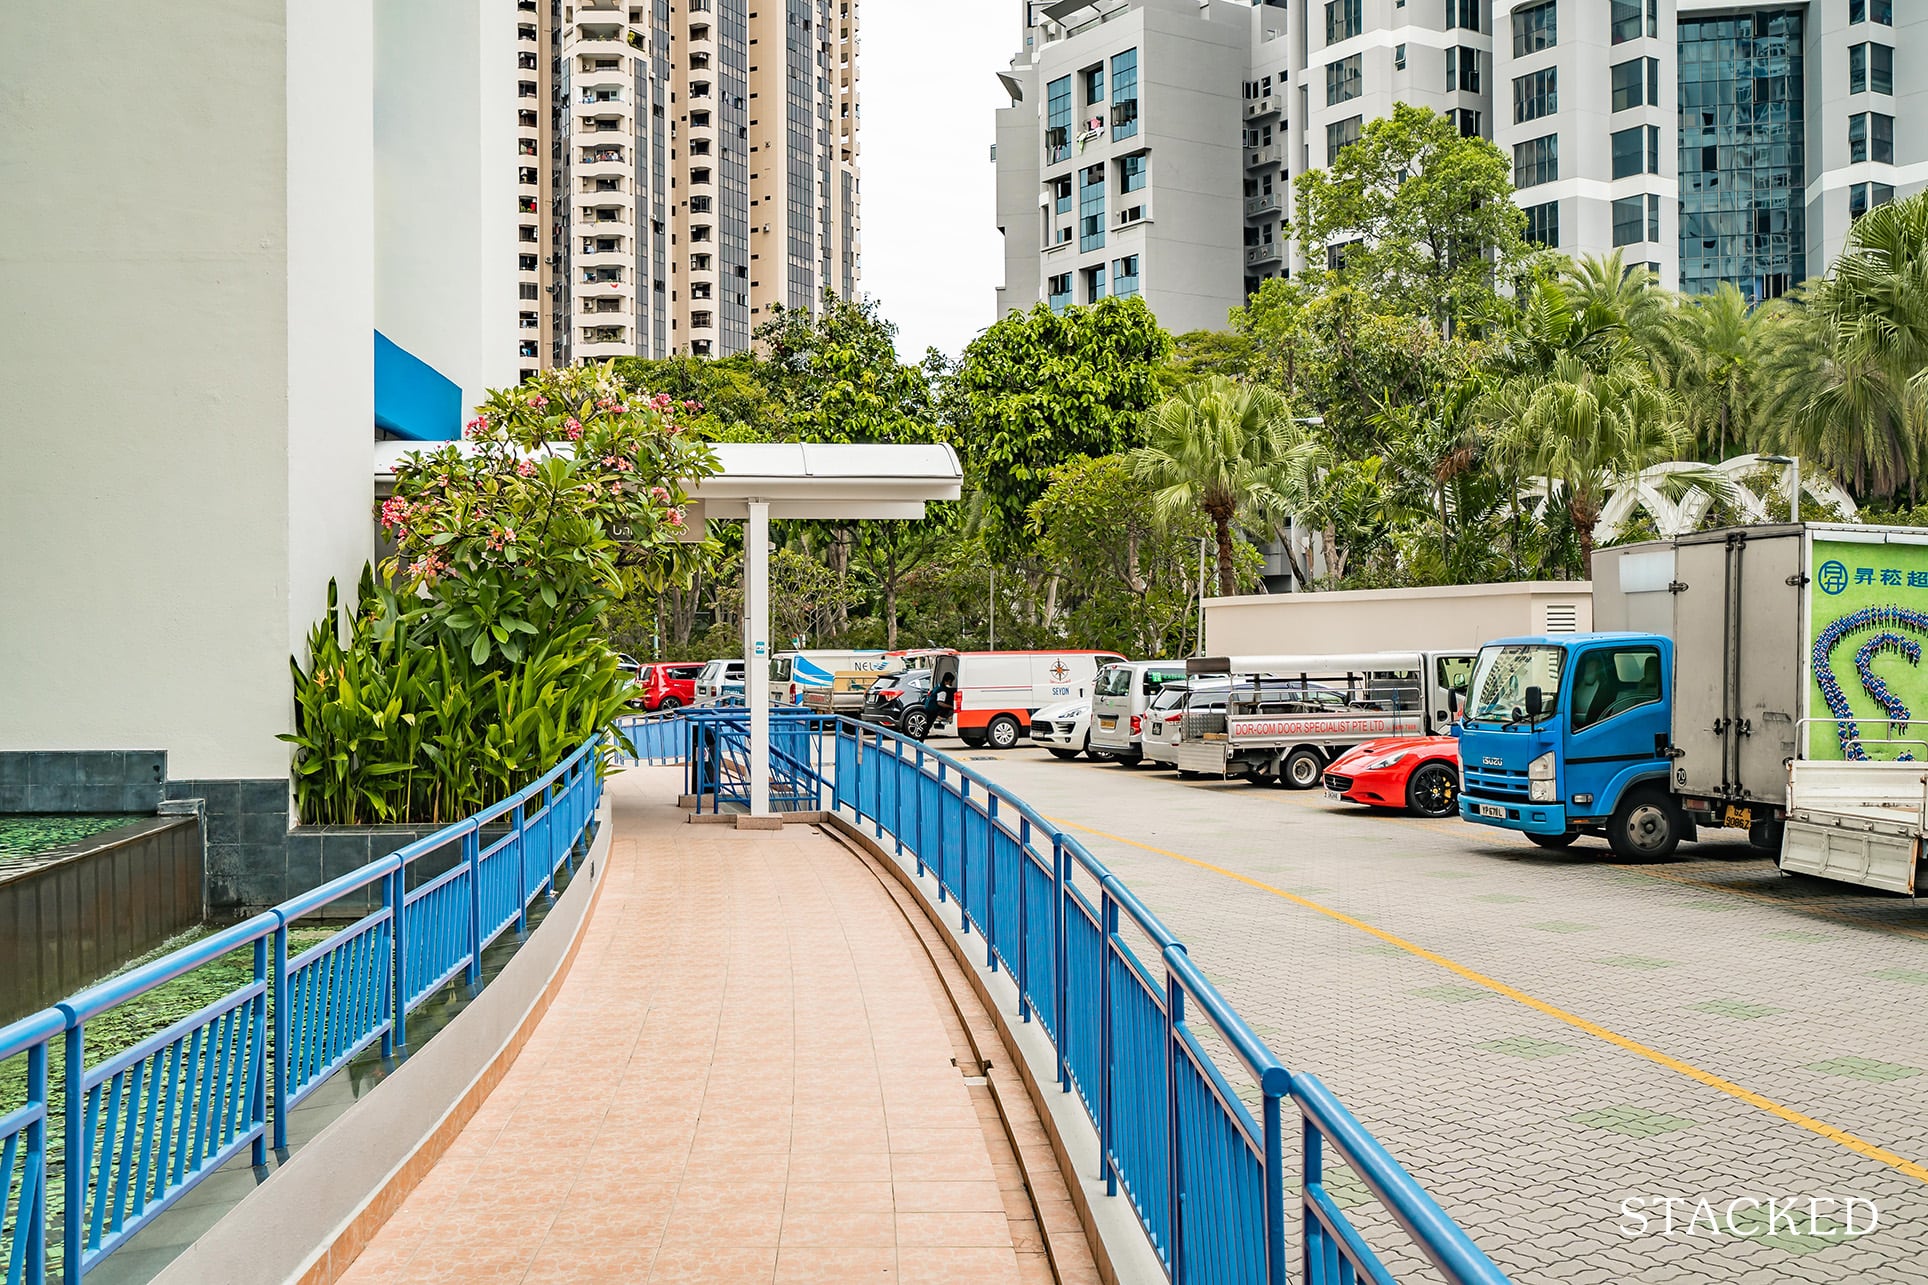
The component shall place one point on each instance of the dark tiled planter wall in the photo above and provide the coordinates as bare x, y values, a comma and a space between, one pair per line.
82, 780
254, 860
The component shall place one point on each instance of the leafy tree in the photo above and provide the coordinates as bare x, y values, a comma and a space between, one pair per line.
1218, 447
1629, 299
1417, 215
1039, 388
734, 397
1129, 578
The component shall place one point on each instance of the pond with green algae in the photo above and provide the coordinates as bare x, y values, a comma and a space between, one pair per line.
33, 839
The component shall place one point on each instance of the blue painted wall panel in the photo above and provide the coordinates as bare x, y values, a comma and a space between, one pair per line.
413, 399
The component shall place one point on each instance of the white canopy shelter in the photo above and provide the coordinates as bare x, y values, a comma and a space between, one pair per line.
761, 481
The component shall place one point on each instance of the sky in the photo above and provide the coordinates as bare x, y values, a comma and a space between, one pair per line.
928, 84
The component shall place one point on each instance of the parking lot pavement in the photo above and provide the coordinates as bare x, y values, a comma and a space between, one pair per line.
1541, 1037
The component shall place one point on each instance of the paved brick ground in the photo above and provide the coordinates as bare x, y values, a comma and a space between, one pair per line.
1532, 1130
747, 1076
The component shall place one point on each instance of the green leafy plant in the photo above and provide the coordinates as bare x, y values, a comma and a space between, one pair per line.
479, 659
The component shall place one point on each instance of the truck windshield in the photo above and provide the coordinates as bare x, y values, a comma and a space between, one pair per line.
1503, 674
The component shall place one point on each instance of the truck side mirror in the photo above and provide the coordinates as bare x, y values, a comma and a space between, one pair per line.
1452, 702
1535, 703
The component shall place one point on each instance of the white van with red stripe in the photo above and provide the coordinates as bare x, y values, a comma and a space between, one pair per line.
998, 691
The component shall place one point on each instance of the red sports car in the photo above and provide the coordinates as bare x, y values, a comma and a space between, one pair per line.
1416, 772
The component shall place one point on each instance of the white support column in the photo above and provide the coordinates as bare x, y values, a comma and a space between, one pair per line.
756, 650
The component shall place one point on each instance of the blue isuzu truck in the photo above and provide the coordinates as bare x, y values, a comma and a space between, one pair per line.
1761, 678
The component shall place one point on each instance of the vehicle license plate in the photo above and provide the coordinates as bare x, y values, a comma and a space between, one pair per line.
1738, 818
1492, 810
1335, 796
1107, 723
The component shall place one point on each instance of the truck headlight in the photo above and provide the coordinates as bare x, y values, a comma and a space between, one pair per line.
1539, 778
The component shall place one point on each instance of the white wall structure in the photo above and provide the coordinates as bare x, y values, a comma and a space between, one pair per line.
445, 118
193, 378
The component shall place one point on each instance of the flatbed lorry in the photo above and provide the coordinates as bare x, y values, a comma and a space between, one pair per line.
1760, 678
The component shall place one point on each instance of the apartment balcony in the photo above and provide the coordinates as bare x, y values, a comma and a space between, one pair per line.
593, 94
1257, 158
602, 215
604, 306
1264, 252
602, 279
595, 245
602, 160
598, 38
1263, 108
599, 65
1265, 203
604, 123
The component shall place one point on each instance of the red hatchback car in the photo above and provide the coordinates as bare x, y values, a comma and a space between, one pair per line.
666, 686
1420, 773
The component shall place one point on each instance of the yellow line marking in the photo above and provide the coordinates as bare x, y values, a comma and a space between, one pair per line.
1859, 1145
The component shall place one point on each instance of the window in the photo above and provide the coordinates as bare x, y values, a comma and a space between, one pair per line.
1871, 137
1871, 66
1536, 27
1629, 220
1609, 681
1624, 21
1131, 172
1124, 276
1094, 84
1535, 95
1124, 95
1543, 224
1091, 208
1343, 20
1536, 161
1399, 57
1884, 11
1462, 69
1636, 83
1059, 287
1863, 197
1061, 194
1094, 283
1462, 13
1057, 120
1636, 151
1342, 80
1339, 134
1468, 122
1653, 225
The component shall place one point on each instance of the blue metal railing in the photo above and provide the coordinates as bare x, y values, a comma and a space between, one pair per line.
141, 1128
1206, 1179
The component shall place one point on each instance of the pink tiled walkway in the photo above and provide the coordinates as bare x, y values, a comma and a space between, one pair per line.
747, 1076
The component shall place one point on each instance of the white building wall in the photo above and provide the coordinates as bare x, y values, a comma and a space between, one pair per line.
444, 115
169, 467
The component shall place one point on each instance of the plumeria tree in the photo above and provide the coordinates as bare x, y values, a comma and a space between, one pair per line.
481, 657
563, 485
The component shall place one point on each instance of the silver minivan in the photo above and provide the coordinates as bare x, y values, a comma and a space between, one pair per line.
721, 680
1119, 698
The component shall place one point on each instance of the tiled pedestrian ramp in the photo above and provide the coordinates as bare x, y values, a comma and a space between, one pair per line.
753, 1072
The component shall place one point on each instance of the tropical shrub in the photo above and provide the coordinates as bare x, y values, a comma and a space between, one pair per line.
480, 657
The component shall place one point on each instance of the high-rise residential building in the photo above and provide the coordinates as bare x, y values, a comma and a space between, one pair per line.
1713, 142
700, 164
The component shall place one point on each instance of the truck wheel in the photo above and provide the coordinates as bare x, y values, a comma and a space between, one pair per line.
1003, 732
1552, 840
973, 738
1302, 769
917, 725
1433, 790
1765, 836
1645, 827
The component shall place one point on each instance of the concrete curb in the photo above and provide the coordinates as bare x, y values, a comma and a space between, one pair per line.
308, 1222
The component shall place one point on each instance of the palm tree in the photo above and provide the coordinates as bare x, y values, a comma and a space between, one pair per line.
1582, 428
1716, 376
1846, 358
1219, 446
1632, 301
